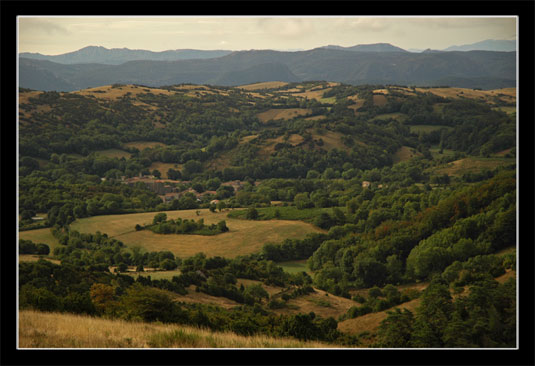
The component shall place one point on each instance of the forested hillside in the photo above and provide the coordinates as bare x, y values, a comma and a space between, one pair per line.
396, 188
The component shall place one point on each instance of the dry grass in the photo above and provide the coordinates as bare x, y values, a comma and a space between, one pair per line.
244, 237
164, 167
268, 147
506, 276
381, 91
505, 94
35, 258
110, 93
264, 85
331, 140
379, 100
405, 153
201, 298
54, 330
317, 302
316, 118
370, 322
271, 290
284, 114
312, 93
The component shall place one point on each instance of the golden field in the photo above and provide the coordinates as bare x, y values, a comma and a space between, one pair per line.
244, 236
57, 330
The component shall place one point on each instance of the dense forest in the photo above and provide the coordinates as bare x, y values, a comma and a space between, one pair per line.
386, 219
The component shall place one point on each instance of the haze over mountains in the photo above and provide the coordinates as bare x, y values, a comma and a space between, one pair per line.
380, 63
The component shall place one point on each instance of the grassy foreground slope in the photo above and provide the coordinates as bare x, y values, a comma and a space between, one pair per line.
57, 330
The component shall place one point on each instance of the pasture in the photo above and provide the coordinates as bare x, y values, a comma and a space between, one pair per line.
40, 236
379, 100
244, 236
397, 116
264, 85
113, 153
405, 153
141, 145
507, 95
284, 114
110, 92
295, 266
164, 167
473, 165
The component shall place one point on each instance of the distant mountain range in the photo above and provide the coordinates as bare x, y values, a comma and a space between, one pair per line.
376, 47
487, 45
117, 56
361, 64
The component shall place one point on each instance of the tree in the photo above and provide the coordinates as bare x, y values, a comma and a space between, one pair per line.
302, 201
252, 214
157, 173
168, 264
222, 226
159, 217
433, 315
174, 174
147, 304
396, 330
257, 292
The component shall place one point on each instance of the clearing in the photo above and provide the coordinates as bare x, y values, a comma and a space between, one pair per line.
284, 114
244, 237
264, 85
405, 153
473, 165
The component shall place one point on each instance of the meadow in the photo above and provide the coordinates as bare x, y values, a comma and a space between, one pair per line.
285, 114
40, 236
473, 165
56, 330
244, 236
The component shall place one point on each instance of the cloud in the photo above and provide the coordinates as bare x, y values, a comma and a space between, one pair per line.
286, 27
41, 25
363, 24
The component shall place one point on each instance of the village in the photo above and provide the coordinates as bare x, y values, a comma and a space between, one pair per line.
168, 190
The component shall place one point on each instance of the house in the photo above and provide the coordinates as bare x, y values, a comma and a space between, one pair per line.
365, 184
214, 202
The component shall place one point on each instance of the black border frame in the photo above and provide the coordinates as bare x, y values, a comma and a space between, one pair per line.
525, 11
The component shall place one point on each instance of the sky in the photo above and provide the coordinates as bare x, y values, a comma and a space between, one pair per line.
57, 35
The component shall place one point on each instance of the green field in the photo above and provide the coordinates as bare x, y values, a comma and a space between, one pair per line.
113, 153
295, 266
506, 109
40, 236
330, 100
156, 275
244, 236
397, 116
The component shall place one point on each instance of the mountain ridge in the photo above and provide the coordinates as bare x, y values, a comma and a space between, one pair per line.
477, 69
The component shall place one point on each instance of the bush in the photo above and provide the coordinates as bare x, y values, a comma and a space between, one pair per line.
252, 214
168, 264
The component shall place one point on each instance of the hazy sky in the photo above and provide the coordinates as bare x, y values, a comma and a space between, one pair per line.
57, 35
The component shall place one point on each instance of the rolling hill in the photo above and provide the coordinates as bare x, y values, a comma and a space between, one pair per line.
473, 69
